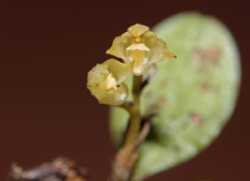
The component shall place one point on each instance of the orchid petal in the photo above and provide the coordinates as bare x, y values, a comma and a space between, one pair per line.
138, 30
118, 97
97, 75
120, 70
119, 46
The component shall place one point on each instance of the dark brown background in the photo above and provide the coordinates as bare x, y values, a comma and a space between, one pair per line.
46, 50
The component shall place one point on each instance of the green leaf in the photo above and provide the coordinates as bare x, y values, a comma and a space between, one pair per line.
193, 96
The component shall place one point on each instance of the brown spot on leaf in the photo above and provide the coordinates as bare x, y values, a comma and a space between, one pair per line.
149, 96
196, 118
207, 57
212, 54
154, 108
205, 86
164, 84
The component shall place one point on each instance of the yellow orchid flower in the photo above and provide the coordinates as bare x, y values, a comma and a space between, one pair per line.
105, 82
142, 46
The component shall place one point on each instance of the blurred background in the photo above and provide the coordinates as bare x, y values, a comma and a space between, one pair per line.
46, 50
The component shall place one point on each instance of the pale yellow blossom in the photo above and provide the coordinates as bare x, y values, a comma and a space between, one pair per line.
141, 46
105, 81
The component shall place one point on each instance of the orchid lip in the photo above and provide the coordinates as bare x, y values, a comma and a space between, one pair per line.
139, 53
110, 82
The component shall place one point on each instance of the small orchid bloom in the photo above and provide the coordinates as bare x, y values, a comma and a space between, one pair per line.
105, 82
141, 46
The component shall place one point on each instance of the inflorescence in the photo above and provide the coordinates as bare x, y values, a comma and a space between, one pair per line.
139, 48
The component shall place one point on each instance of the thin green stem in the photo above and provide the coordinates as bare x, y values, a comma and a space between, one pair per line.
127, 106
127, 154
135, 118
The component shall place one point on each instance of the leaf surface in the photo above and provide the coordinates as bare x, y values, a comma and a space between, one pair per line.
193, 95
